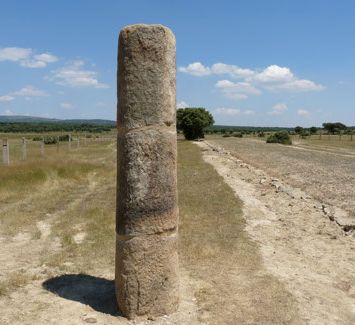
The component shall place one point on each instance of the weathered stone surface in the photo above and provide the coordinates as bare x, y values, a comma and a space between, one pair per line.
146, 76
146, 178
147, 275
147, 210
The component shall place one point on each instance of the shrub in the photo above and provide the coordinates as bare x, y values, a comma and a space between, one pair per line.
238, 135
46, 140
226, 135
64, 137
50, 140
279, 137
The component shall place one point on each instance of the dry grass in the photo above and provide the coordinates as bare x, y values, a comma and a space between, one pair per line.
15, 281
29, 191
79, 196
333, 141
216, 250
63, 191
92, 212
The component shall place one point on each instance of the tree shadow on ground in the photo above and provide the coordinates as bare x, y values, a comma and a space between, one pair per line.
98, 293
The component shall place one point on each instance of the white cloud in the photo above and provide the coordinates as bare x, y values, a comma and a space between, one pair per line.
8, 112
238, 90
232, 111
46, 57
6, 98
233, 70
274, 73
29, 91
182, 104
26, 57
33, 64
66, 105
14, 54
196, 69
227, 111
74, 75
298, 86
278, 109
272, 78
303, 112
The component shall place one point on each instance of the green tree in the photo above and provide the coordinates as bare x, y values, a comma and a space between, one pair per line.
298, 129
313, 130
334, 127
192, 121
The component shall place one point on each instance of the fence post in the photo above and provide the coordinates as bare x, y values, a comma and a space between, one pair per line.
351, 135
6, 152
58, 139
42, 147
24, 149
78, 142
69, 141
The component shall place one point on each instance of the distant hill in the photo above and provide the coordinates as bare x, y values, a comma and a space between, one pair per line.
34, 119
28, 124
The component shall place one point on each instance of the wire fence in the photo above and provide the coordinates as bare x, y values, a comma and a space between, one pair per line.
328, 137
22, 149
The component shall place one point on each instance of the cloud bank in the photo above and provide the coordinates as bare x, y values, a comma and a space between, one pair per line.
252, 82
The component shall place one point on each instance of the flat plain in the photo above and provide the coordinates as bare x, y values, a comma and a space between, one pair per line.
255, 245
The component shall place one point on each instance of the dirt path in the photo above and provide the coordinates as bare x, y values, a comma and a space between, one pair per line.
310, 254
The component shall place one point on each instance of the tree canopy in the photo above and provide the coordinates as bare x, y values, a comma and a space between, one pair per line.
192, 121
313, 130
298, 129
20, 127
334, 127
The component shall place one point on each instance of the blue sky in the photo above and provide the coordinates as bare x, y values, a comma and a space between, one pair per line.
251, 62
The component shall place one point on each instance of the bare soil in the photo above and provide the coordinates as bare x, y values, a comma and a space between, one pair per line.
311, 254
326, 173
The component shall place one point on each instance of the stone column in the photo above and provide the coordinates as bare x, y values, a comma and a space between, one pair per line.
5, 152
147, 211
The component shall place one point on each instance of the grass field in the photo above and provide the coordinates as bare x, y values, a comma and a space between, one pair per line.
333, 141
56, 197
326, 141
57, 218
